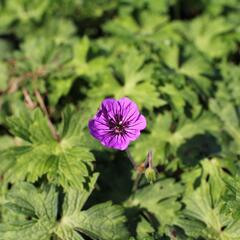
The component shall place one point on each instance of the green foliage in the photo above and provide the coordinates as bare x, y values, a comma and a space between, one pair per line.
214, 38
203, 216
178, 60
159, 203
164, 141
66, 162
38, 215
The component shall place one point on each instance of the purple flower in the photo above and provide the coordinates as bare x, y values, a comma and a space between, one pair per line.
117, 123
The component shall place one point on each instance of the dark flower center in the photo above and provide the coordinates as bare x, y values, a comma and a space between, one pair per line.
117, 125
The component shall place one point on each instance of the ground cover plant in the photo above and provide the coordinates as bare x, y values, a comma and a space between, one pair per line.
119, 120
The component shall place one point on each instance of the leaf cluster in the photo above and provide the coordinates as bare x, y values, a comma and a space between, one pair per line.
178, 60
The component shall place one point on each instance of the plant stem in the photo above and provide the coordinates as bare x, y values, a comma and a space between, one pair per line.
135, 166
45, 111
136, 182
131, 159
149, 159
28, 100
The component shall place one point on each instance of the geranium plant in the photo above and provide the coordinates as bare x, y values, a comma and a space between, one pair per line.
119, 120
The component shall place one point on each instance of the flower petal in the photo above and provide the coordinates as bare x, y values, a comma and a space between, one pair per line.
110, 108
139, 123
132, 134
129, 109
116, 141
98, 128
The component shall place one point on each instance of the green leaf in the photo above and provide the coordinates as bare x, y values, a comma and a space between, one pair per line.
191, 65
38, 67
85, 66
59, 88
160, 200
136, 82
229, 118
3, 76
202, 216
40, 208
48, 57
162, 139
232, 197
103, 221
67, 162
155, 141
23, 11
212, 36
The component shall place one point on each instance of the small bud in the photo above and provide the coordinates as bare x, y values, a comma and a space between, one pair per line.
150, 175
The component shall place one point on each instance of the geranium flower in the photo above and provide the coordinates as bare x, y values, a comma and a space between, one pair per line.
117, 123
